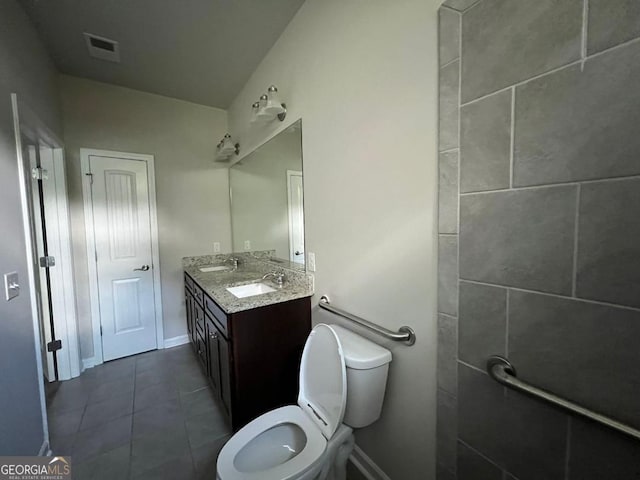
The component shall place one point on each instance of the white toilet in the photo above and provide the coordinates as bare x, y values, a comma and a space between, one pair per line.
313, 439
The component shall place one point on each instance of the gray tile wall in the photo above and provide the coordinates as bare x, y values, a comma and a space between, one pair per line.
539, 248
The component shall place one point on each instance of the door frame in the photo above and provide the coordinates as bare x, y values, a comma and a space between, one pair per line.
85, 153
28, 124
293, 173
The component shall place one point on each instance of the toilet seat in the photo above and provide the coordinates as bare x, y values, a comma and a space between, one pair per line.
309, 457
289, 443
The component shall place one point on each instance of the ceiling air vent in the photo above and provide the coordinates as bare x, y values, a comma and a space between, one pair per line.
102, 48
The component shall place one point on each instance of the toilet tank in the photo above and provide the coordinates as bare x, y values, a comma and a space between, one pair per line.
367, 367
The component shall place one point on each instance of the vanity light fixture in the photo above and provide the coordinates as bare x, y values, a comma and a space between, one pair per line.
269, 107
255, 108
261, 116
226, 148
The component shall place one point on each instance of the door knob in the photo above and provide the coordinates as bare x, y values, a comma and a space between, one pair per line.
298, 252
144, 268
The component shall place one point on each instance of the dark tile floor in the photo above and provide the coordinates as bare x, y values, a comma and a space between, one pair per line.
150, 416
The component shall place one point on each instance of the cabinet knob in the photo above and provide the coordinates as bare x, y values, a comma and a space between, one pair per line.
214, 336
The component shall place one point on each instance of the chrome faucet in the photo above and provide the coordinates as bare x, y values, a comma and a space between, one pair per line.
235, 261
278, 277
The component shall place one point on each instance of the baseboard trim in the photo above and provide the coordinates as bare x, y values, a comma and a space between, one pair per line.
176, 341
366, 466
88, 363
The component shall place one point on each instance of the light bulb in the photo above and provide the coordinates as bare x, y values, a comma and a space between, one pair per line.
262, 115
273, 105
254, 111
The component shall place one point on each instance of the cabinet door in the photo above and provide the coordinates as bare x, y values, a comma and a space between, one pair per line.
213, 343
187, 304
201, 349
225, 372
198, 315
191, 321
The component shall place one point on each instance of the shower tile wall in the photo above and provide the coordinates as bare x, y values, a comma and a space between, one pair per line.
539, 228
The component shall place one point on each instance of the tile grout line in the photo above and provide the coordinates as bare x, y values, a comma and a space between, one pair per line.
506, 339
470, 7
522, 82
585, 22
460, 12
457, 282
445, 392
451, 9
556, 295
478, 452
568, 449
449, 150
615, 47
556, 184
513, 134
449, 63
133, 408
576, 232
555, 70
473, 367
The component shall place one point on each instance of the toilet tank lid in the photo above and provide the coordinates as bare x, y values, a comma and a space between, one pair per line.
360, 353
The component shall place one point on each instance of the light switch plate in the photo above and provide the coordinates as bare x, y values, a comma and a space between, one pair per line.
311, 261
247, 245
11, 285
216, 247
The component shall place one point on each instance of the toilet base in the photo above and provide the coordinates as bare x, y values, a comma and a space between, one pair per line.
339, 449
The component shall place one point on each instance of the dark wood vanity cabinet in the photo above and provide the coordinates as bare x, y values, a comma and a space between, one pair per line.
252, 357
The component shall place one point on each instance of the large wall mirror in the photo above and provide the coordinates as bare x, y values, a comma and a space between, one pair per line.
267, 197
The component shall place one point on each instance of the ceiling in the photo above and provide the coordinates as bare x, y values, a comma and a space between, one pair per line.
202, 51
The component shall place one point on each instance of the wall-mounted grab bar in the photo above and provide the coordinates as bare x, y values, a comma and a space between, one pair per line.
501, 370
405, 334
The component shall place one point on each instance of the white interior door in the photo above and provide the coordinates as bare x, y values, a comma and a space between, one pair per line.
45, 205
296, 216
122, 233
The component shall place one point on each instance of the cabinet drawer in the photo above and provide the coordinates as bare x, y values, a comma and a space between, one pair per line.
217, 314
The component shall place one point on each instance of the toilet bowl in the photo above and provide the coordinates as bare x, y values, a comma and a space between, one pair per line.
313, 439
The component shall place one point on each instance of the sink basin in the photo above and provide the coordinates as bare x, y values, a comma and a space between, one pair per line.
216, 268
250, 290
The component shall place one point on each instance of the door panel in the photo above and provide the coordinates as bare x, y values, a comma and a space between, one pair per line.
225, 372
126, 301
214, 354
121, 211
122, 231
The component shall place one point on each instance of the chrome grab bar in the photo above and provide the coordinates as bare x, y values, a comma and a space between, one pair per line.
405, 334
501, 370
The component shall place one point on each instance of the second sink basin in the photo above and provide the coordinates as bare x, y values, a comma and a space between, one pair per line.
250, 290
214, 268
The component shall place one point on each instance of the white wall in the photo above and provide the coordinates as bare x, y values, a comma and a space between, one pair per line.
363, 77
192, 193
25, 69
